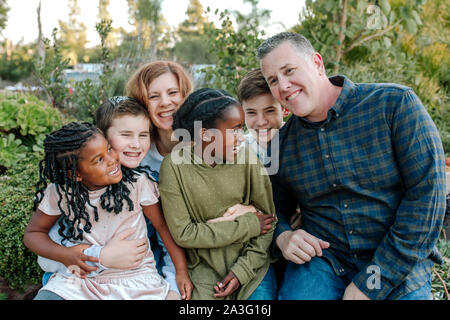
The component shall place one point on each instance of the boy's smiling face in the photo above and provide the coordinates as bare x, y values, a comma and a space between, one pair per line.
263, 116
130, 137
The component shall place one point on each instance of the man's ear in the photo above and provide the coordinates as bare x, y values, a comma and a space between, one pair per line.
318, 63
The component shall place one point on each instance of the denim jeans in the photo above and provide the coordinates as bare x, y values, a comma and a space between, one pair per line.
47, 295
316, 280
267, 289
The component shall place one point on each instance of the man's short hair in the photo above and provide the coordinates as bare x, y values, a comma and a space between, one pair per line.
252, 84
299, 42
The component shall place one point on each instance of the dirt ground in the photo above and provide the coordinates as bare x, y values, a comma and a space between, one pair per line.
28, 294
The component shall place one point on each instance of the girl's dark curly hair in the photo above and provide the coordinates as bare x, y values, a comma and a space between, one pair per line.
59, 166
206, 105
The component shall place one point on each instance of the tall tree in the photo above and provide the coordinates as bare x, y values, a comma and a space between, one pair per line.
193, 24
103, 12
4, 9
73, 34
40, 44
146, 16
234, 47
256, 17
191, 46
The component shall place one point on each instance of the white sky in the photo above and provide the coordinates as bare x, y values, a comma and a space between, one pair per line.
22, 17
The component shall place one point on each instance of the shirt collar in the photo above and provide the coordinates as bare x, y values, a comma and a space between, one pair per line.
339, 108
347, 92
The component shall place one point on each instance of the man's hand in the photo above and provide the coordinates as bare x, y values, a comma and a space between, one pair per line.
299, 246
353, 293
120, 253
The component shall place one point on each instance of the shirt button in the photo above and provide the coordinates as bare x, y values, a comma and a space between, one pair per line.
341, 270
337, 115
334, 185
355, 256
327, 156
350, 232
345, 205
322, 129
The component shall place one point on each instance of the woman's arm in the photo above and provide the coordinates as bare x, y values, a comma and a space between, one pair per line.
36, 239
154, 214
168, 268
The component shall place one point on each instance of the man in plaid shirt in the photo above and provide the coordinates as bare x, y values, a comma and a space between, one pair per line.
366, 165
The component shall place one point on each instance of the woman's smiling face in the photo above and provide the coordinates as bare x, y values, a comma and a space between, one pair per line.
164, 98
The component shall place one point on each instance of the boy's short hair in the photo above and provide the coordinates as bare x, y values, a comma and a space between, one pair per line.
117, 107
252, 84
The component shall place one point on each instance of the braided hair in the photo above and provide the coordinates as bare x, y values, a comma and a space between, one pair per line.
206, 105
59, 166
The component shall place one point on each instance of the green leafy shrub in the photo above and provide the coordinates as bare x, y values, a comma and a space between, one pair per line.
11, 150
24, 121
234, 48
18, 265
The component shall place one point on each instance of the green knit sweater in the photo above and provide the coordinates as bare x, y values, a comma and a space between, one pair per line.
193, 192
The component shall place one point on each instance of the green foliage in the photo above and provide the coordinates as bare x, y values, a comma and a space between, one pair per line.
88, 94
18, 65
335, 28
73, 34
3, 13
192, 46
440, 275
50, 72
24, 119
235, 49
18, 265
11, 150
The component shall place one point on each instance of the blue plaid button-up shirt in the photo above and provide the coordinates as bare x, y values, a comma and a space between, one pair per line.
370, 180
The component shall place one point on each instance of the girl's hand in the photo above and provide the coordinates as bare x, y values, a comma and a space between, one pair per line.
228, 285
265, 221
233, 212
75, 259
120, 253
184, 285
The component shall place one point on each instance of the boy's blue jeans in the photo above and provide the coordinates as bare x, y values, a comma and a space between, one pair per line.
316, 280
267, 289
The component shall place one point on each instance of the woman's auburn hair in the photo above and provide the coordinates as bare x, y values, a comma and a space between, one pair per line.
137, 85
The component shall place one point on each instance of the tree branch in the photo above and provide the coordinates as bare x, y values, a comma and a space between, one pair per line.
443, 283
341, 36
375, 35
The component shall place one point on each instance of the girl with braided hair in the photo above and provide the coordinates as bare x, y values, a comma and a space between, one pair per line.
202, 177
126, 125
93, 200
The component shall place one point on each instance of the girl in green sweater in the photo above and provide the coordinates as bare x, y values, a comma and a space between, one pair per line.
207, 173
